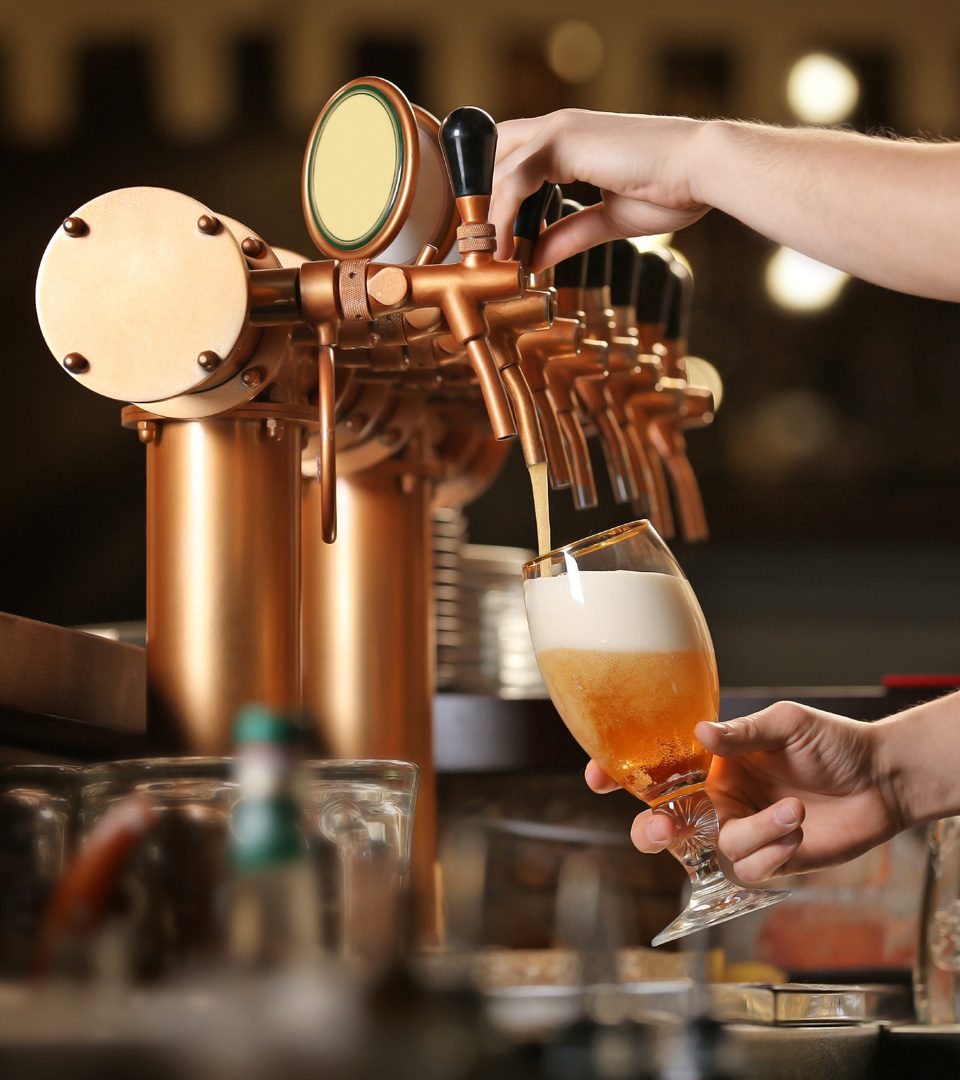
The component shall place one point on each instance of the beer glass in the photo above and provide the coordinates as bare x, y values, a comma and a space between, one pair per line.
627, 659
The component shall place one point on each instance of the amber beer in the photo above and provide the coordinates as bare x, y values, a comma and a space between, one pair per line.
634, 713
629, 665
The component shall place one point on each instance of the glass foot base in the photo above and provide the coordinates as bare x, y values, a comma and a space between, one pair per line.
717, 904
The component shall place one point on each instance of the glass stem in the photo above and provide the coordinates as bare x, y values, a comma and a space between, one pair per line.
696, 847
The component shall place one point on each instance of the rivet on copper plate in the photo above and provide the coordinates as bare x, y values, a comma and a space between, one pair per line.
146, 431
208, 360
75, 363
252, 378
75, 227
209, 225
252, 247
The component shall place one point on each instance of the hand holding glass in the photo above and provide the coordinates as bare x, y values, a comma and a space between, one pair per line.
626, 656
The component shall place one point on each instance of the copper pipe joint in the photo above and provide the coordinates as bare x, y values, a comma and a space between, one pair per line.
274, 296
674, 358
599, 314
570, 302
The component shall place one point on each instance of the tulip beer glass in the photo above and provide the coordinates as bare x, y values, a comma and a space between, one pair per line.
626, 656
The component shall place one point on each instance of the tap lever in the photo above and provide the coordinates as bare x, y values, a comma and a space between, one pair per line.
599, 266
526, 227
571, 273
677, 323
624, 273
654, 286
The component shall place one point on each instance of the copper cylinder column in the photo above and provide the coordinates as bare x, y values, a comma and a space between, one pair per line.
368, 666
223, 562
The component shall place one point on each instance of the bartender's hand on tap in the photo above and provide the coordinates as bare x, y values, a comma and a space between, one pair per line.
797, 789
883, 209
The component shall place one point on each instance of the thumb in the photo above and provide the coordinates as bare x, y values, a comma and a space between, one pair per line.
769, 729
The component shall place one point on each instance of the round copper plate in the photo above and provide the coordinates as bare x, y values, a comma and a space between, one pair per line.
360, 169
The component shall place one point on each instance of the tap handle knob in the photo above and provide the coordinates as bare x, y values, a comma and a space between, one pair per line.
599, 265
654, 285
624, 273
531, 213
680, 299
468, 138
571, 272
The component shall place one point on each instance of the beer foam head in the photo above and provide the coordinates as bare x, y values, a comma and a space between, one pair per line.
614, 611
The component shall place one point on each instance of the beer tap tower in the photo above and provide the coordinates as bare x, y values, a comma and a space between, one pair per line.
285, 403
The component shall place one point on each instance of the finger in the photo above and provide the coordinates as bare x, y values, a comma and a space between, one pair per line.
740, 837
767, 861
582, 230
512, 134
652, 832
597, 780
521, 178
770, 729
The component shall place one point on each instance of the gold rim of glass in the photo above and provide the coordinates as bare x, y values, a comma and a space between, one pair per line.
593, 543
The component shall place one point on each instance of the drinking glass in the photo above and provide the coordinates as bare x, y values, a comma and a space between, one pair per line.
627, 659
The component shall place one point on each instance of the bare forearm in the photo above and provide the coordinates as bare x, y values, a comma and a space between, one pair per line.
918, 754
884, 210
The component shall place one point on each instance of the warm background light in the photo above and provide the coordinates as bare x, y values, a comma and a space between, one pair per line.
649, 243
799, 283
575, 51
822, 90
702, 373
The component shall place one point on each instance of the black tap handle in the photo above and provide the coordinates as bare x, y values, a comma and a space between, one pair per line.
599, 266
655, 285
570, 273
624, 273
554, 205
468, 138
531, 213
680, 300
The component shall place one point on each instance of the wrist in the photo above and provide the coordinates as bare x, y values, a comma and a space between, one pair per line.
712, 148
915, 755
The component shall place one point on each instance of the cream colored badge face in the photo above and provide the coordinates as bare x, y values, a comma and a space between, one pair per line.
355, 168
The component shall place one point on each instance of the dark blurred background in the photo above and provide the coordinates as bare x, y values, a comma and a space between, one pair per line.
832, 474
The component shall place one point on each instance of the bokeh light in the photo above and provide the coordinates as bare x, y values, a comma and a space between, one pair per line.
575, 51
822, 89
798, 283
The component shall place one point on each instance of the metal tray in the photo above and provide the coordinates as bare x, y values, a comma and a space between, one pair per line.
802, 1003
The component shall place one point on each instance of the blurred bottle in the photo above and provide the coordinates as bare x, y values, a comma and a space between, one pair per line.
937, 974
272, 914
